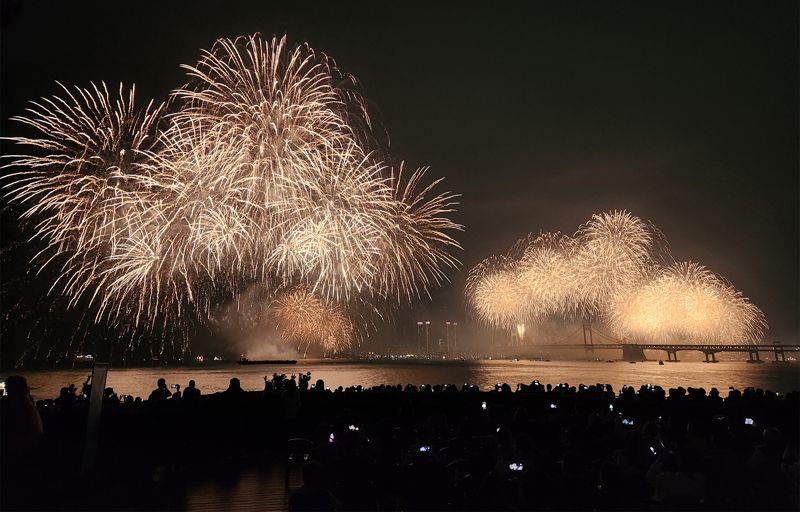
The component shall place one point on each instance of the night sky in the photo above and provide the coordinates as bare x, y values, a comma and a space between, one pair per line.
684, 113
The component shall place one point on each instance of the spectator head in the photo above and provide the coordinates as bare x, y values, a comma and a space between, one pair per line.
191, 383
235, 384
17, 386
162, 383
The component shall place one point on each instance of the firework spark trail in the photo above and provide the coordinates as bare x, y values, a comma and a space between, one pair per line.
276, 101
75, 178
415, 248
613, 270
332, 199
266, 172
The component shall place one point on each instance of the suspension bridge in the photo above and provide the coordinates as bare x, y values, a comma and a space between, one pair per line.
635, 351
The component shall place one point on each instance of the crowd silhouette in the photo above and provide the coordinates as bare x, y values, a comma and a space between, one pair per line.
429, 447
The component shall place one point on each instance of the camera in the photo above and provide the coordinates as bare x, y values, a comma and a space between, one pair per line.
626, 421
424, 448
611, 407
331, 438
352, 428
483, 405
174, 386
515, 466
748, 421
653, 450
553, 406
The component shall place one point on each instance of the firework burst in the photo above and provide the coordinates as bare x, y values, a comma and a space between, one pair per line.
496, 293
77, 182
613, 271
546, 274
309, 320
687, 303
266, 172
613, 256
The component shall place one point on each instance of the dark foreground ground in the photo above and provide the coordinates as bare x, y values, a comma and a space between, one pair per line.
395, 448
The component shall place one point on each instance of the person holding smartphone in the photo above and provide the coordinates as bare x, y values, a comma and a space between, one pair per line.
161, 392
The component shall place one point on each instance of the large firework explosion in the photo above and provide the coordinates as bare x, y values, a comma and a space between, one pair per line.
686, 302
613, 255
546, 276
262, 168
615, 270
496, 293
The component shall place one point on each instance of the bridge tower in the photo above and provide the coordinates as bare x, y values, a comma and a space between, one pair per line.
779, 350
588, 342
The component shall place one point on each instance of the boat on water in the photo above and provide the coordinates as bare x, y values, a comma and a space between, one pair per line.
244, 360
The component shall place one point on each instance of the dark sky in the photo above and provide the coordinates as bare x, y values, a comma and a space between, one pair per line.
684, 113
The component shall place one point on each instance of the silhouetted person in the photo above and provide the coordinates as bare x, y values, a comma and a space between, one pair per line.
313, 495
20, 435
191, 393
109, 397
764, 470
22, 425
161, 392
66, 397
234, 388
268, 386
291, 400
676, 479
177, 394
86, 389
304, 381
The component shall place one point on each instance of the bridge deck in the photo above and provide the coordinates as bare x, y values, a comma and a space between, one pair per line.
677, 347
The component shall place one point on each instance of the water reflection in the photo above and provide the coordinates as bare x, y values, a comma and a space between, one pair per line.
211, 379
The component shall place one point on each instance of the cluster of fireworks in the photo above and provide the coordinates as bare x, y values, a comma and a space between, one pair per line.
262, 168
616, 270
305, 318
